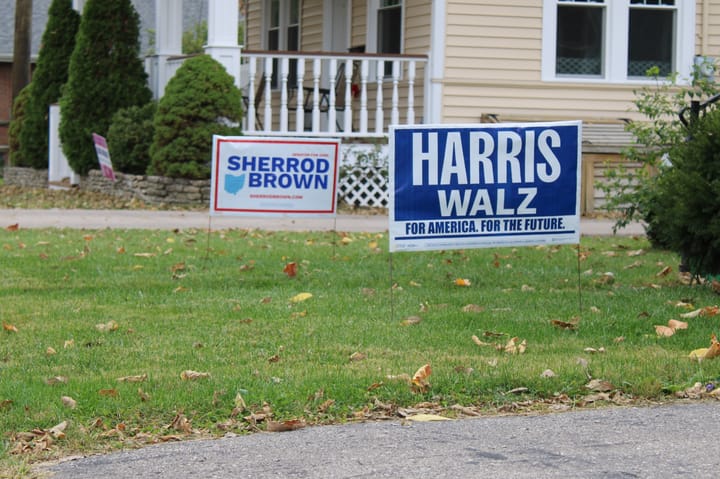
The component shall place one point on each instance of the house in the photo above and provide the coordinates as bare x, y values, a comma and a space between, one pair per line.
459, 61
193, 12
351, 68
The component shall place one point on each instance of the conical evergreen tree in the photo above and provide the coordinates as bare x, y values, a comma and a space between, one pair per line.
50, 75
200, 101
105, 75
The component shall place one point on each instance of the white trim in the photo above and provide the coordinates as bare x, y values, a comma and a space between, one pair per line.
615, 43
329, 15
436, 69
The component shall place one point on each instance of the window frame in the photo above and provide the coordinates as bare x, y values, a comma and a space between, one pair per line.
615, 43
371, 39
284, 18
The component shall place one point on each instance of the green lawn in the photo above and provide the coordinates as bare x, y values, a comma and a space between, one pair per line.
83, 309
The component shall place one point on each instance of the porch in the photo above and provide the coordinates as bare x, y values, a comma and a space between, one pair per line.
325, 94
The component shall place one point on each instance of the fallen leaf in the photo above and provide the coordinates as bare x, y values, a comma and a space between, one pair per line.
410, 320
548, 373
692, 314
14, 227
325, 406
462, 282
284, 426
638, 252
472, 308
143, 395
357, 356
526, 289
664, 272
300, 297
181, 424
10, 328
675, 324
68, 402
133, 379
571, 325
600, 385
664, 331
290, 269
512, 346
56, 380
108, 392
419, 379
58, 431
189, 375
426, 418
50, 351
107, 327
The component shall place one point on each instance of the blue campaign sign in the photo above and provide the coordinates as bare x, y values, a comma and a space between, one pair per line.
469, 186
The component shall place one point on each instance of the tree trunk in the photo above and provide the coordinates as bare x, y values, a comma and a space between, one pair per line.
22, 46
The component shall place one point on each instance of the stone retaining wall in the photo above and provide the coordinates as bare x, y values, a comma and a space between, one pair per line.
151, 189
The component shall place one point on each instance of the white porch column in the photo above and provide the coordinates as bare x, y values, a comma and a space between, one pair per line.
435, 70
222, 35
168, 39
78, 5
58, 167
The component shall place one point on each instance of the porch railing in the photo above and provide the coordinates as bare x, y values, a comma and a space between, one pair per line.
331, 94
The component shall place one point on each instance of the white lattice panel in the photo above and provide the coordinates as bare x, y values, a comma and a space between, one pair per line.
365, 187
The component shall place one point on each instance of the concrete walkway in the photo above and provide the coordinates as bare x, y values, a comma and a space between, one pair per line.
143, 219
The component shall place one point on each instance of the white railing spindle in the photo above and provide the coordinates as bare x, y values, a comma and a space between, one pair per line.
284, 70
300, 96
411, 93
364, 71
267, 114
379, 114
395, 115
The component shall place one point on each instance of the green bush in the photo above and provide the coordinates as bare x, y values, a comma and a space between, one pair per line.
129, 138
200, 100
687, 199
50, 75
105, 75
17, 124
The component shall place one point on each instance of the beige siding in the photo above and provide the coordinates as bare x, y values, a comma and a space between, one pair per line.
712, 36
417, 27
311, 25
253, 24
358, 23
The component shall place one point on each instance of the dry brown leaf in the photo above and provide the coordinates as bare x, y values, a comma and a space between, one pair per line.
675, 324
513, 347
133, 379
143, 395
189, 375
600, 385
664, 331
50, 351
714, 349
419, 379
181, 424
479, 342
692, 314
10, 328
107, 327
290, 269
664, 272
13, 227
325, 406
68, 402
462, 282
358, 356
410, 320
637, 252
284, 426
58, 431
472, 308
108, 392
56, 380
571, 325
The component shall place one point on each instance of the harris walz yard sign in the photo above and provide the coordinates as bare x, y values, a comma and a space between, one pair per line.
485, 185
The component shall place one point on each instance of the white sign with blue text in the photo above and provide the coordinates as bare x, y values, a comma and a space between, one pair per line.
484, 185
274, 176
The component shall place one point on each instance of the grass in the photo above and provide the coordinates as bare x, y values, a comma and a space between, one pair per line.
119, 303
82, 309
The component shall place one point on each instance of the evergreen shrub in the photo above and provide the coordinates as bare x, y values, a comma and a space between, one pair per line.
129, 138
50, 75
200, 101
105, 75
687, 208
17, 124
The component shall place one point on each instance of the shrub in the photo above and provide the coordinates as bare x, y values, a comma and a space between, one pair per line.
200, 100
50, 75
130, 136
16, 126
687, 208
105, 75
632, 192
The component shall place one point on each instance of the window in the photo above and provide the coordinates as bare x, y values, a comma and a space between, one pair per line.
616, 40
282, 20
385, 20
580, 38
650, 36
